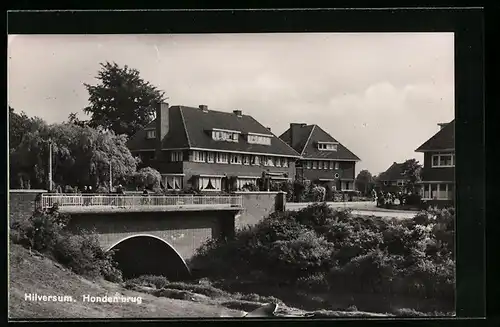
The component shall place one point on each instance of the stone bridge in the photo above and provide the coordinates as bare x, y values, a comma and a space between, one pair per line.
154, 234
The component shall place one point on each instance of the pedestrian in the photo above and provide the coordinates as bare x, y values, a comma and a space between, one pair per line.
145, 195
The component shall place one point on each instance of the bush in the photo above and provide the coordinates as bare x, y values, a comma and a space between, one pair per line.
250, 187
148, 178
148, 280
46, 231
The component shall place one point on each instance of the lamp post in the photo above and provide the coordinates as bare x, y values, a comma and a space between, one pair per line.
110, 178
50, 165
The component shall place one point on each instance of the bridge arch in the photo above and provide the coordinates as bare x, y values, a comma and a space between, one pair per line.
146, 254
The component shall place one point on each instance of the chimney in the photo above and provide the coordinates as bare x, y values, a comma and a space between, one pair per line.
294, 128
441, 125
237, 112
203, 107
162, 126
268, 128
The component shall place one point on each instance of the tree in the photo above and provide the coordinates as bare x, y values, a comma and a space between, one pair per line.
20, 124
80, 156
122, 101
148, 177
364, 181
411, 171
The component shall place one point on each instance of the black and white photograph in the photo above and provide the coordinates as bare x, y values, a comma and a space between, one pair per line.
231, 175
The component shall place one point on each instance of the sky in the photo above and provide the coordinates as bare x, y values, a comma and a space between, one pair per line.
379, 94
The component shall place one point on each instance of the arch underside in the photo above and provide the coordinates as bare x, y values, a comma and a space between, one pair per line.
149, 255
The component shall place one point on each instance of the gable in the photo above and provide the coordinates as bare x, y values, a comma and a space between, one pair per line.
442, 140
319, 135
394, 172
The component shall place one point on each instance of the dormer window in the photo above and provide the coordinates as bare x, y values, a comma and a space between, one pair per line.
151, 134
225, 135
255, 138
327, 146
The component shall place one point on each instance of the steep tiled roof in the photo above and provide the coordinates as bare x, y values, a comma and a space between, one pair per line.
394, 172
188, 129
442, 140
305, 143
176, 137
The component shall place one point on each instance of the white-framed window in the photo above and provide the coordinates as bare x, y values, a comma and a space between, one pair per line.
176, 156
258, 139
235, 158
246, 160
173, 182
346, 185
210, 157
314, 165
199, 156
401, 182
240, 182
269, 161
284, 162
443, 160
320, 164
325, 164
330, 165
277, 162
209, 183
308, 164
327, 146
150, 134
255, 161
437, 191
228, 136
337, 165
221, 157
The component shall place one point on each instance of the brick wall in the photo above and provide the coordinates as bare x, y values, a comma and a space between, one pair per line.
346, 170
436, 174
22, 203
184, 231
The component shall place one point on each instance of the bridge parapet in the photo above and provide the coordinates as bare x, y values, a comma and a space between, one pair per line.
136, 203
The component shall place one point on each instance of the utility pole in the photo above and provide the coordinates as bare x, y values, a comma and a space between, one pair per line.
50, 165
110, 178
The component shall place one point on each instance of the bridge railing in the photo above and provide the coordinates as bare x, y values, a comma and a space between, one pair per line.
131, 201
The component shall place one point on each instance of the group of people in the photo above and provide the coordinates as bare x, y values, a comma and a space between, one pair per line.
382, 198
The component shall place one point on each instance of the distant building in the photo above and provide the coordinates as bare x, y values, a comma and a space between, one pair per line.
323, 159
438, 173
211, 150
392, 180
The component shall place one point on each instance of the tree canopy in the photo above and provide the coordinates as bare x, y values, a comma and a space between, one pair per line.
364, 181
122, 101
81, 156
411, 171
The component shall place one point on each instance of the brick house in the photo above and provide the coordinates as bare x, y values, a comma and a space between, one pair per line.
211, 150
323, 159
438, 172
392, 180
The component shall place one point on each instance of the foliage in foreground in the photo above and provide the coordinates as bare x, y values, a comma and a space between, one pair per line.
47, 233
322, 248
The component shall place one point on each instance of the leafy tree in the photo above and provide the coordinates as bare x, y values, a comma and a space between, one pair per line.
412, 172
73, 119
81, 156
364, 181
122, 101
148, 177
20, 124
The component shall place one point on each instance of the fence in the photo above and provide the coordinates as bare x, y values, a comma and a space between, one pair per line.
133, 201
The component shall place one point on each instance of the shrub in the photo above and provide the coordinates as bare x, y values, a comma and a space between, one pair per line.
250, 187
148, 178
148, 280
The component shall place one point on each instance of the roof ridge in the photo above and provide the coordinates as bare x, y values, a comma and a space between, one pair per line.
211, 110
184, 125
308, 139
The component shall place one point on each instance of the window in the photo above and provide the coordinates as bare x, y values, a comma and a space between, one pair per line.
176, 156
443, 160
199, 156
235, 158
284, 162
221, 157
209, 183
327, 146
308, 164
331, 164
151, 134
255, 160
337, 165
258, 139
320, 164
277, 162
228, 136
173, 182
314, 164
210, 157
401, 182
325, 164
346, 185
269, 161
437, 191
240, 182
246, 160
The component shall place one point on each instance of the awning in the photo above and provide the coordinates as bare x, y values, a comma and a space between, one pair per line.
274, 174
248, 177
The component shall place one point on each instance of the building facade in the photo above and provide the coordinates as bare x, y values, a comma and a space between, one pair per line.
392, 180
212, 150
323, 159
438, 172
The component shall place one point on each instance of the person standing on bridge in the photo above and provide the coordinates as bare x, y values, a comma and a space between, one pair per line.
145, 195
